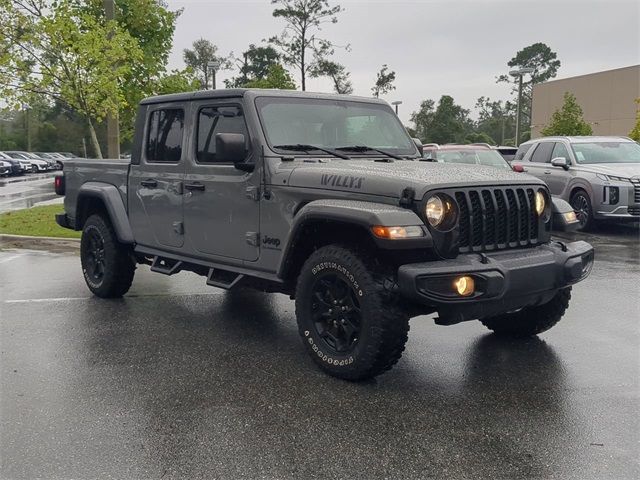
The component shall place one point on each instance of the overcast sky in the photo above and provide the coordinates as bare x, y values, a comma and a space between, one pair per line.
435, 47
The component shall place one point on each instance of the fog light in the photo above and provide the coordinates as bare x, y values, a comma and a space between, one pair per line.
465, 285
570, 217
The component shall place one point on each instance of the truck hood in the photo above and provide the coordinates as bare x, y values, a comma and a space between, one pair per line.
626, 170
390, 179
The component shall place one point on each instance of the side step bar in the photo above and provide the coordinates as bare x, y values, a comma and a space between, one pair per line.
165, 266
223, 278
215, 278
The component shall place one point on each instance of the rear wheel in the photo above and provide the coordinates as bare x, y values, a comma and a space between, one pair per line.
34, 169
350, 323
107, 265
581, 203
530, 321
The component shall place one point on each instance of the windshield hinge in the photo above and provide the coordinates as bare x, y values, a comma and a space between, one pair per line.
407, 197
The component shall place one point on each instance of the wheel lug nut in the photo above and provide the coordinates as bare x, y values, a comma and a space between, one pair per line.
335, 302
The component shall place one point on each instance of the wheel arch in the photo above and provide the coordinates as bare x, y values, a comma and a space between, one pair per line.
105, 199
347, 222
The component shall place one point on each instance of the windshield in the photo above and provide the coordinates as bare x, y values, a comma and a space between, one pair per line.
606, 152
472, 157
332, 124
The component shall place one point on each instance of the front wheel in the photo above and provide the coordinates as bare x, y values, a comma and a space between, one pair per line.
530, 321
581, 203
349, 321
107, 265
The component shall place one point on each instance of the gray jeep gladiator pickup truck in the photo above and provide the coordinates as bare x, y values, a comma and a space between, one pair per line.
323, 198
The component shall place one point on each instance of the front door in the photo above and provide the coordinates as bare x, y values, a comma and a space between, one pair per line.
559, 178
155, 185
221, 205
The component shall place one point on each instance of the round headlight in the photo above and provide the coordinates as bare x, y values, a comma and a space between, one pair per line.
541, 202
435, 211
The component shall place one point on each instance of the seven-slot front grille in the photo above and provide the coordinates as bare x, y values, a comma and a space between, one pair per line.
636, 192
496, 218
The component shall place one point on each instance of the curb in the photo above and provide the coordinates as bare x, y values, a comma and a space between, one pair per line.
53, 244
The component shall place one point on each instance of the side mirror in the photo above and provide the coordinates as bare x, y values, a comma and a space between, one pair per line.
230, 148
560, 162
419, 145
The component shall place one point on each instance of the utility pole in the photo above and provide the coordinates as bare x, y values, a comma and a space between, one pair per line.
113, 126
519, 73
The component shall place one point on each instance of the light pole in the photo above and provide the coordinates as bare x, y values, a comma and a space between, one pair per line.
396, 103
213, 66
519, 73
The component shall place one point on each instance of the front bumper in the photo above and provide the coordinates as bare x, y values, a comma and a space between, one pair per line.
617, 200
505, 281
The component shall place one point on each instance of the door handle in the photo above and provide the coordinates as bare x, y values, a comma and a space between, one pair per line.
194, 186
149, 183
547, 172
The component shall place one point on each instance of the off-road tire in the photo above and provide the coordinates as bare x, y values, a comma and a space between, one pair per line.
383, 324
530, 321
581, 202
118, 263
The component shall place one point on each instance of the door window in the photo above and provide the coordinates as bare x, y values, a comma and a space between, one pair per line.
214, 120
164, 141
542, 153
522, 151
560, 151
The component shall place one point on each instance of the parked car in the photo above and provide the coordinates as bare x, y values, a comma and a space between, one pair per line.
25, 163
507, 152
320, 197
5, 168
17, 167
51, 158
30, 161
598, 176
474, 154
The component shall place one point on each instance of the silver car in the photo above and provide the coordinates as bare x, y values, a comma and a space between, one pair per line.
598, 176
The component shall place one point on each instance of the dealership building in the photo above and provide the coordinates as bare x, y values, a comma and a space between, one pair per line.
607, 100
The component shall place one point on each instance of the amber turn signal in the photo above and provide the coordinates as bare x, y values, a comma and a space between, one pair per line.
396, 233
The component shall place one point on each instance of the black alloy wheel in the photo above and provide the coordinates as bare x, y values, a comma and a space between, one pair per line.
95, 259
582, 205
336, 314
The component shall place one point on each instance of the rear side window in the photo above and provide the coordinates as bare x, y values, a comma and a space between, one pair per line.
522, 151
542, 153
164, 141
214, 120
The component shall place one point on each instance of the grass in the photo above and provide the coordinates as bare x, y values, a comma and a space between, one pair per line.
35, 221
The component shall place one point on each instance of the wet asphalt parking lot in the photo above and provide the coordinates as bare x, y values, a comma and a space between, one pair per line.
180, 380
27, 190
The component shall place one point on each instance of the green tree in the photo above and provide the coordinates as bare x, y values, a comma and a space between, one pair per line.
545, 65
496, 119
254, 65
203, 58
384, 81
299, 42
336, 72
176, 81
635, 133
447, 123
567, 120
277, 77
64, 54
479, 137
152, 25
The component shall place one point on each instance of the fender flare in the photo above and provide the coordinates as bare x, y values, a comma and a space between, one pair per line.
358, 213
110, 197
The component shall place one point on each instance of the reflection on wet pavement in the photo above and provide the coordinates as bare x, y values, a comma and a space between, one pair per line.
26, 191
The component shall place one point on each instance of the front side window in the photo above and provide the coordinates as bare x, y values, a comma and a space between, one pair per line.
522, 151
214, 120
329, 123
606, 152
560, 151
164, 140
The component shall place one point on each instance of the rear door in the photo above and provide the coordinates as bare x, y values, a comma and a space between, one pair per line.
222, 209
155, 184
538, 164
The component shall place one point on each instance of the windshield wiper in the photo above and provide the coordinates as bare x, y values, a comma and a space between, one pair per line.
305, 148
364, 148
